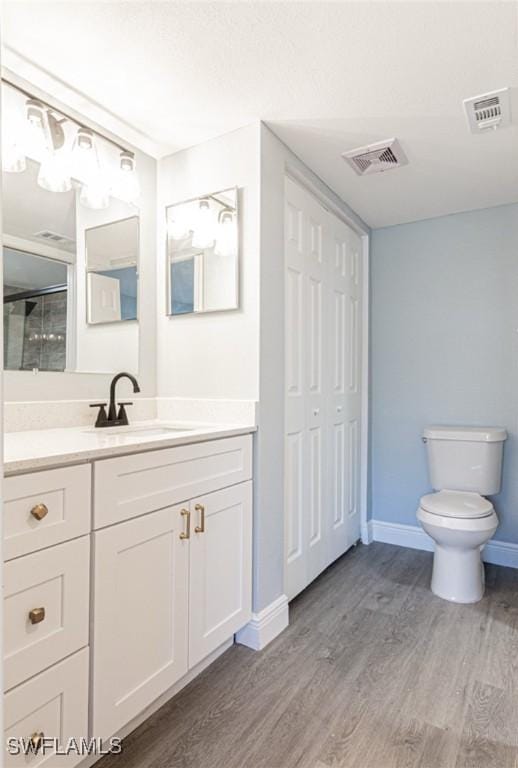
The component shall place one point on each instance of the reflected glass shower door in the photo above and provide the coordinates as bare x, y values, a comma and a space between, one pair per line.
35, 331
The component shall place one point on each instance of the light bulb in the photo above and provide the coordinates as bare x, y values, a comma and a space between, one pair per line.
225, 238
54, 173
37, 141
126, 185
203, 236
96, 193
84, 160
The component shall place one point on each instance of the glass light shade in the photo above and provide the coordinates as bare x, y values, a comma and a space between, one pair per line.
37, 139
54, 173
126, 185
203, 236
225, 238
96, 193
84, 159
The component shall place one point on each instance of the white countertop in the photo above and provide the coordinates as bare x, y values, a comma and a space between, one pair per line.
46, 448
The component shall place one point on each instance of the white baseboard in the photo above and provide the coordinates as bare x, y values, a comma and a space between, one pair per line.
412, 536
265, 625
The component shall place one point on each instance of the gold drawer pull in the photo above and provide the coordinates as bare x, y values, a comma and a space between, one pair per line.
36, 615
39, 511
201, 527
37, 741
187, 533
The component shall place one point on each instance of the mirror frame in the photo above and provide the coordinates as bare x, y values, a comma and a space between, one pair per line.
168, 286
114, 322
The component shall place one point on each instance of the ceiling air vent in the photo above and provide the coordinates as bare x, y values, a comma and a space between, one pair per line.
376, 158
488, 111
53, 237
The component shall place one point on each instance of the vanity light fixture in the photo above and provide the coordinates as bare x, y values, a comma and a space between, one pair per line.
225, 239
126, 185
37, 139
203, 236
40, 136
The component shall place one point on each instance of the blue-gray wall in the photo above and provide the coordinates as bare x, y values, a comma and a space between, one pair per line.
444, 349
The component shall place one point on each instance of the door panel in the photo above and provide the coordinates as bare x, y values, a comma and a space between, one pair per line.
220, 571
140, 615
322, 396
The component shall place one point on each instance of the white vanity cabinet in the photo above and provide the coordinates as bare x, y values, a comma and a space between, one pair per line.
110, 604
171, 585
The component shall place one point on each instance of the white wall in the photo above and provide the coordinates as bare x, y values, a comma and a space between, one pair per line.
216, 355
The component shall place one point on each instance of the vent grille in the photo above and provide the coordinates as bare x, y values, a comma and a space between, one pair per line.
488, 111
376, 158
53, 237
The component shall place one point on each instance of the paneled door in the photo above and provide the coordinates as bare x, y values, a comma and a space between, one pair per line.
220, 569
322, 380
140, 637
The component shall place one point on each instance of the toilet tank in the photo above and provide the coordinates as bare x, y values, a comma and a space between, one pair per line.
465, 458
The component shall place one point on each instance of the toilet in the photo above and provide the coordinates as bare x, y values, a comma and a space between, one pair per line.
465, 465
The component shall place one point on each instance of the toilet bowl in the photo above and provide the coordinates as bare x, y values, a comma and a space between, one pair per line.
460, 523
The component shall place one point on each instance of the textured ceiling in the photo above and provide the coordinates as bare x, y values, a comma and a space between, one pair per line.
326, 77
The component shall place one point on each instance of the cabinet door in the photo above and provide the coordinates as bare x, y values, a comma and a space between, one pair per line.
220, 583
140, 615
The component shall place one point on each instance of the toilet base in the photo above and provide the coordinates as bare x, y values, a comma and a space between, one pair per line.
458, 574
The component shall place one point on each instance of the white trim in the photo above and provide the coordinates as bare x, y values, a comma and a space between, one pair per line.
265, 625
364, 418
412, 536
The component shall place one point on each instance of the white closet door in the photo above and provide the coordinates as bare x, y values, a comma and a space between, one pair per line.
344, 389
321, 374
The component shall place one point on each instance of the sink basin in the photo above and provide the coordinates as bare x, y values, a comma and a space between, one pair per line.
143, 430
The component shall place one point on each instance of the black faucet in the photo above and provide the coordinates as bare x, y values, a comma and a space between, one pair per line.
114, 419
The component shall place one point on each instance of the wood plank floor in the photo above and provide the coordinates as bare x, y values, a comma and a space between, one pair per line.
373, 672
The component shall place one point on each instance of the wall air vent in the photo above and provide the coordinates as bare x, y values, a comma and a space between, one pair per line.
376, 158
488, 111
53, 237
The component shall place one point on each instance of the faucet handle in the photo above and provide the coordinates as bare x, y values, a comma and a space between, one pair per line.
122, 416
102, 418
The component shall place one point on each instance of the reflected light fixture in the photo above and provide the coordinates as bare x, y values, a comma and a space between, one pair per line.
84, 160
37, 140
95, 193
126, 186
203, 236
225, 239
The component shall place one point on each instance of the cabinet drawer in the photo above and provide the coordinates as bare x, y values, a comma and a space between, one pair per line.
133, 485
46, 603
53, 705
45, 508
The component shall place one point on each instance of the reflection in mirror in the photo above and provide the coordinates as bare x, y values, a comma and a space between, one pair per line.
202, 254
61, 186
35, 312
112, 267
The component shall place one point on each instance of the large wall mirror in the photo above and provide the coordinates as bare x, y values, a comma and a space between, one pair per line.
70, 247
203, 254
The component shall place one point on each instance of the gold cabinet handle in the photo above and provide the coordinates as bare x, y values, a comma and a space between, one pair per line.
37, 741
187, 533
36, 615
39, 511
201, 527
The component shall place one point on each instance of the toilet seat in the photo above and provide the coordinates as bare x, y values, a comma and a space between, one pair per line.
456, 504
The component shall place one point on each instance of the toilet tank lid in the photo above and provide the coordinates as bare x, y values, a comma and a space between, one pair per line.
475, 434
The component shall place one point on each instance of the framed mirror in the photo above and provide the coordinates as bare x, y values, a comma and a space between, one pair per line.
203, 254
112, 271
